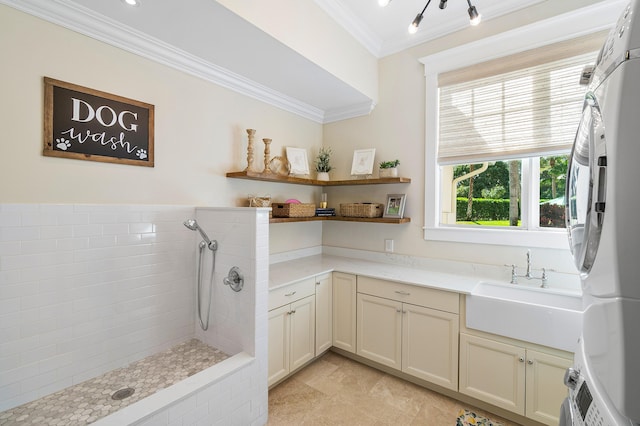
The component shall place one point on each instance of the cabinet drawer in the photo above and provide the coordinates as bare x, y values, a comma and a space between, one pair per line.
416, 295
291, 293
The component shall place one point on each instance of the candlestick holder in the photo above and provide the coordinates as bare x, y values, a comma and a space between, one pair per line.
267, 152
251, 133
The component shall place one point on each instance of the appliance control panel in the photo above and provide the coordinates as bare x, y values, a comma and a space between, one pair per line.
584, 411
586, 408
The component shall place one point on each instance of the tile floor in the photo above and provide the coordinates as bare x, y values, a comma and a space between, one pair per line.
88, 401
335, 390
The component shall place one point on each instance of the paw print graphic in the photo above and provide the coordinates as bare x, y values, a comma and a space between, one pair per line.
141, 154
63, 144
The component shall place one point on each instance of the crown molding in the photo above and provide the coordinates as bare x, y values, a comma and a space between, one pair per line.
351, 111
82, 20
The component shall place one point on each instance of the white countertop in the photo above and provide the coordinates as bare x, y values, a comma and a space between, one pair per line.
284, 273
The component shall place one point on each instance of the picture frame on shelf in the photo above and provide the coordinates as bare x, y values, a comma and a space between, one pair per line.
394, 207
297, 158
362, 164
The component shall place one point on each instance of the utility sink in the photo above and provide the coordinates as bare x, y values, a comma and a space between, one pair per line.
548, 317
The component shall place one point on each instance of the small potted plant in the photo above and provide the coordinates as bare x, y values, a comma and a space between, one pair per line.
389, 169
322, 164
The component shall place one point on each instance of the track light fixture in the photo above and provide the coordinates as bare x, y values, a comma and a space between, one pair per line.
413, 28
474, 16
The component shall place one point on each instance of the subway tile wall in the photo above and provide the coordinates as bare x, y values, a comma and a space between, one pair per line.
85, 289
238, 323
232, 327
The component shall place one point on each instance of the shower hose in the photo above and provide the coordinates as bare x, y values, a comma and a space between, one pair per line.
204, 324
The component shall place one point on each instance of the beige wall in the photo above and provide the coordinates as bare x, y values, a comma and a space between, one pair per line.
199, 129
200, 135
396, 128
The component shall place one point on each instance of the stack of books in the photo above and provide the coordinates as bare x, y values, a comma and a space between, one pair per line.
326, 212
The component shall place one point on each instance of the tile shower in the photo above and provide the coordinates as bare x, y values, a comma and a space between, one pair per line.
86, 289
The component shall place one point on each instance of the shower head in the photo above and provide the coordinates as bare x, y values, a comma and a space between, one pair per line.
193, 225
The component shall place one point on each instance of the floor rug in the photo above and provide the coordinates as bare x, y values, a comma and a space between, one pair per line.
469, 418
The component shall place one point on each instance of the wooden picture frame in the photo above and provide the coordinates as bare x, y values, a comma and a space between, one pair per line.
88, 124
394, 206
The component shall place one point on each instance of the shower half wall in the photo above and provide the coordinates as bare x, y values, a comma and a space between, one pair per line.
85, 289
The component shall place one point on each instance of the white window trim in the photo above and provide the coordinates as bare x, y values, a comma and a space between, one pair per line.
587, 20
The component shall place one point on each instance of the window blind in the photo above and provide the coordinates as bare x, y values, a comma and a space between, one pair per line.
531, 109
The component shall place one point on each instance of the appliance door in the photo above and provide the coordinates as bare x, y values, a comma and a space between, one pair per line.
586, 186
566, 418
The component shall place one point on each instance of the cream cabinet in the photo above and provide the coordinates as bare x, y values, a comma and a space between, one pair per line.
545, 389
379, 330
519, 379
324, 313
409, 328
291, 328
344, 311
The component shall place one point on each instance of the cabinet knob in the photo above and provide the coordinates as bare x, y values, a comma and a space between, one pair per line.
398, 310
404, 293
290, 294
521, 359
530, 361
317, 282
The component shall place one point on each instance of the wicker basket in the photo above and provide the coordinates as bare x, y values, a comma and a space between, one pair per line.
293, 210
259, 201
361, 210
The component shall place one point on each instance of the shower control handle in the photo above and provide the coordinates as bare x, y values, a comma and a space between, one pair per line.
234, 279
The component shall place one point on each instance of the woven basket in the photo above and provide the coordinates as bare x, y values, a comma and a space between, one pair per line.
361, 210
293, 210
259, 201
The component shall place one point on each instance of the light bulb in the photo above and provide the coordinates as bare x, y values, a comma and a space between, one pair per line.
474, 16
413, 28
383, 3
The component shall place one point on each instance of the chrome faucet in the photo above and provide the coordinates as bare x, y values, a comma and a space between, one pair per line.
528, 275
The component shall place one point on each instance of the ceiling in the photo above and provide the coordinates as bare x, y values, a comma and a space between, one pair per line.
209, 41
383, 30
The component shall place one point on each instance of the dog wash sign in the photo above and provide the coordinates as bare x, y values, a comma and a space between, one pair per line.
91, 125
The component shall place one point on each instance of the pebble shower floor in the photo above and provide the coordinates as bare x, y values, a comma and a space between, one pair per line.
91, 400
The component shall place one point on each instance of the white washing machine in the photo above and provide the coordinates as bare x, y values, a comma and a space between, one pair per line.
603, 221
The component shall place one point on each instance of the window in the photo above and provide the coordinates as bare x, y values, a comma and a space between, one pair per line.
498, 138
490, 193
501, 126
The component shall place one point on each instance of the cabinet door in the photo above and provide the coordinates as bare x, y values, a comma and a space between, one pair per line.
545, 386
430, 345
303, 331
278, 343
493, 372
344, 311
324, 316
379, 330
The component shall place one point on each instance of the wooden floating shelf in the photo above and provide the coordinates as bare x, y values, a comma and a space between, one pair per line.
272, 177
340, 218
